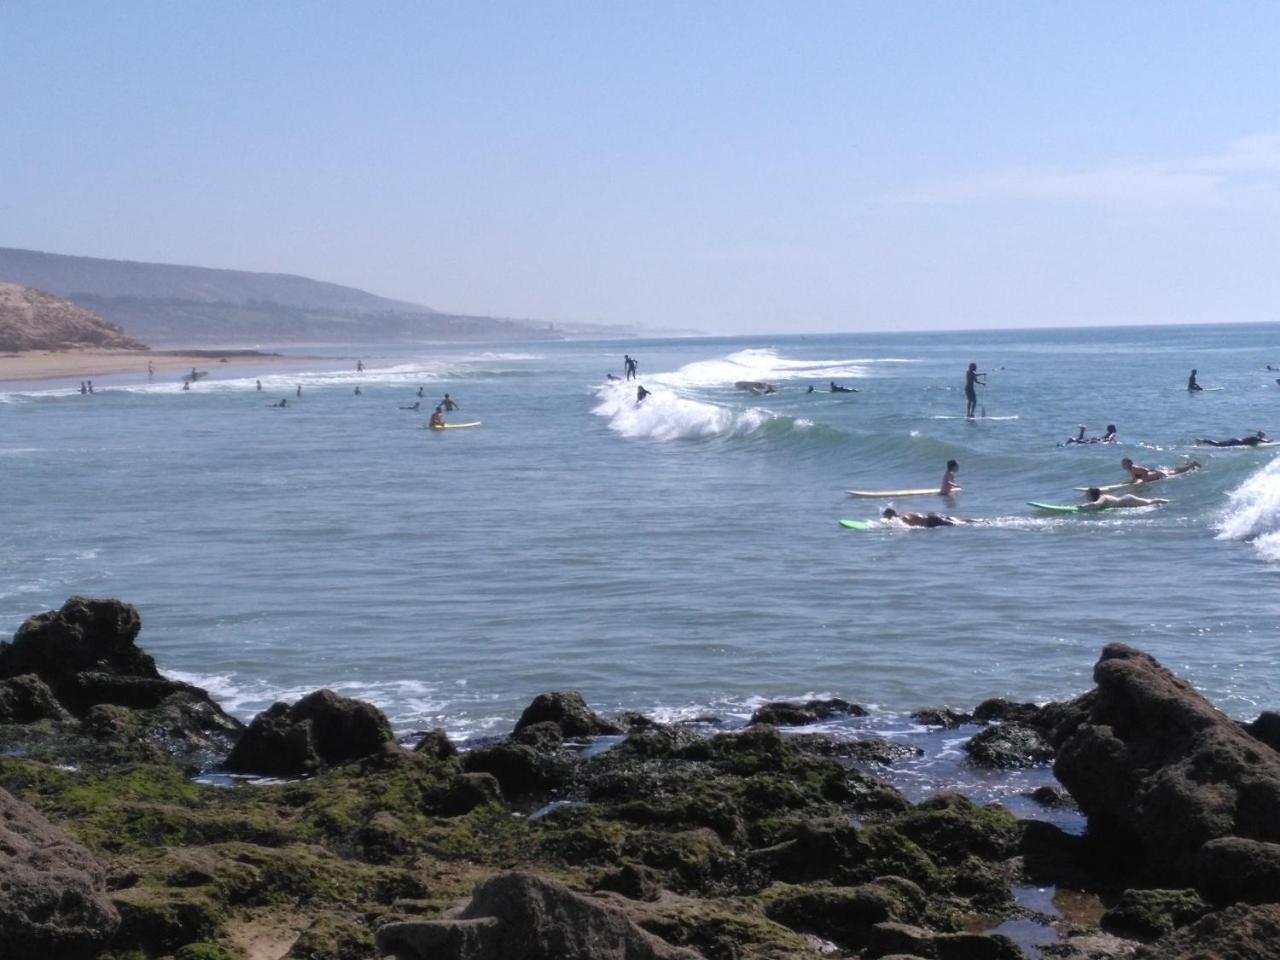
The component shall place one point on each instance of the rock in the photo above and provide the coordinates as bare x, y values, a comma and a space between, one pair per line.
997, 709
891, 937
845, 915
879, 750
951, 827
27, 699
1007, 746
1050, 797
519, 916
436, 744
32, 319
1240, 932
845, 854
1151, 914
633, 880
1231, 869
322, 729
468, 791
545, 736
789, 713
976, 946
1157, 769
567, 710
519, 769
1266, 728
941, 717
53, 900
1098, 946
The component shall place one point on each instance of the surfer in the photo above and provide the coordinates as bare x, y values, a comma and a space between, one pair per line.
359, 366
1099, 500
89, 384
419, 391
949, 483
1250, 441
357, 391
612, 376
151, 370
437, 419
186, 385
282, 402
84, 391
259, 383
836, 388
1078, 438
298, 393
912, 519
1110, 435
414, 406
1141, 474
641, 393
1192, 386
971, 378
810, 390
629, 366
449, 403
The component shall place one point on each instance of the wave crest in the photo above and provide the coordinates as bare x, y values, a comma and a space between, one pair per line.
1252, 513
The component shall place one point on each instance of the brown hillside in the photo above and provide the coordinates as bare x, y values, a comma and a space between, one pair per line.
31, 319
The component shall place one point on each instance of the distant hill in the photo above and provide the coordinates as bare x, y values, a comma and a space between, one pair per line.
170, 304
34, 320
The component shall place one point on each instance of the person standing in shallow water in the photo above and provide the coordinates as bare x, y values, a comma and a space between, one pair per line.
971, 378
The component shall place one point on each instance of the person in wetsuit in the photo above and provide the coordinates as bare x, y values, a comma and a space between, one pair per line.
1251, 441
836, 388
641, 394
1192, 386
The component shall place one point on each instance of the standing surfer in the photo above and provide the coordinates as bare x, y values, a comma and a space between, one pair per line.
629, 365
971, 378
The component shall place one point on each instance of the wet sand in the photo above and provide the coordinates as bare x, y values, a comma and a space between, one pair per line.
75, 364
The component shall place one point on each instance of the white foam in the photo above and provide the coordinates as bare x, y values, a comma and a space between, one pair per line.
664, 415
766, 365
1252, 513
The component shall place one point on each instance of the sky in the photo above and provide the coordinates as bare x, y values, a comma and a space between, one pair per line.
736, 167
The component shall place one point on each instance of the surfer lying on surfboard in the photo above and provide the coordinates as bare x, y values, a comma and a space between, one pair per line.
1250, 441
1141, 474
1103, 501
1108, 437
925, 519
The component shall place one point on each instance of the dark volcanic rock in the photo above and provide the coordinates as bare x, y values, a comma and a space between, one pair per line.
568, 711
96, 636
633, 880
1237, 933
1008, 745
544, 737
867, 749
1155, 767
1229, 869
322, 729
997, 709
520, 769
1266, 728
26, 699
519, 916
1151, 914
53, 901
436, 745
468, 791
941, 717
789, 713
846, 915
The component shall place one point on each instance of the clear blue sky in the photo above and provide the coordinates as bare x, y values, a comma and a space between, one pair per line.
730, 167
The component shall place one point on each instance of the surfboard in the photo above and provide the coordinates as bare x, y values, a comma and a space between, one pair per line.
884, 494
1241, 446
455, 426
856, 524
948, 417
1054, 507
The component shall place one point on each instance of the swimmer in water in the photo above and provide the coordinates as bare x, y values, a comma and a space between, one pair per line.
949, 483
413, 406
924, 519
1100, 501
1140, 474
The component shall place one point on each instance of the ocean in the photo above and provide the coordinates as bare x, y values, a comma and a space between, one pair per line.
680, 557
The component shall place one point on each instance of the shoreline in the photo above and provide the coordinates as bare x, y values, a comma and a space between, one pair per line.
36, 365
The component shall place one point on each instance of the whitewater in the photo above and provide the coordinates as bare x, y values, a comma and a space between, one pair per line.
679, 555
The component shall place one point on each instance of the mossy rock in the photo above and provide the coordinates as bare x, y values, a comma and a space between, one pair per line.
844, 915
161, 921
721, 929
334, 937
840, 852
1150, 914
204, 951
952, 828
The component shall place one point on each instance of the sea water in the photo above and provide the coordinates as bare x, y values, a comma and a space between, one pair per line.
681, 556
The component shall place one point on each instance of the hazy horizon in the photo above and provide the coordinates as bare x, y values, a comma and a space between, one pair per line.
729, 168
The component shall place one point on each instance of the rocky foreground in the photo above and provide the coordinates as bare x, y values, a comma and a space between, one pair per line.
669, 845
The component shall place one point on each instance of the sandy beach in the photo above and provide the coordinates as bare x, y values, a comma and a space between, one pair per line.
61, 364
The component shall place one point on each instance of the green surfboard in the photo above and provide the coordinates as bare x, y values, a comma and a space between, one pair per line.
856, 524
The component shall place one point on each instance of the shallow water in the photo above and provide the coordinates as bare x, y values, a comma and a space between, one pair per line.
681, 556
